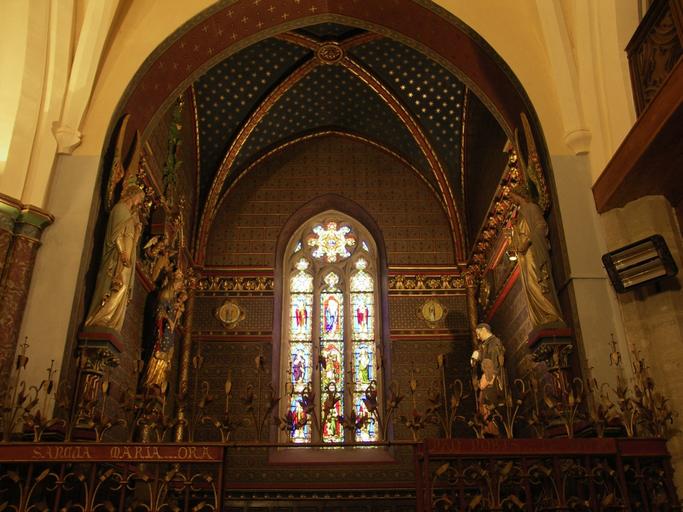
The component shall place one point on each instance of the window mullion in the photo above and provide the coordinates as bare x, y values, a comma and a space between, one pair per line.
348, 351
315, 351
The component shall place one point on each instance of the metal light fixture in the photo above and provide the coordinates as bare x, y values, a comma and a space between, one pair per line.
639, 263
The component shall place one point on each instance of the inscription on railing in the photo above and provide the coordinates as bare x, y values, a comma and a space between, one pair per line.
110, 453
518, 447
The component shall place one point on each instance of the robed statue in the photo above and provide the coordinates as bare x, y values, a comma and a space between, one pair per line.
528, 239
169, 309
117, 271
489, 361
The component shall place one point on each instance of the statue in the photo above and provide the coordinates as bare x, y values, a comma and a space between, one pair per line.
490, 356
528, 239
114, 283
158, 252
490, 393
170, 308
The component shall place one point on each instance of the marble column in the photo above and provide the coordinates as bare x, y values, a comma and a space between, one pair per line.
21, 227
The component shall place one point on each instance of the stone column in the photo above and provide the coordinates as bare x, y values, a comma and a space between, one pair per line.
20, 230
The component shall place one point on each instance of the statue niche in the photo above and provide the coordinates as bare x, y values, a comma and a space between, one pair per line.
165, 307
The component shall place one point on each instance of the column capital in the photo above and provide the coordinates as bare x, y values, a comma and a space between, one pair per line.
22, 219
32, 221
10, 209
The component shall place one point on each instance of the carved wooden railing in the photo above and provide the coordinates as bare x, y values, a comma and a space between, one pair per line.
654, 49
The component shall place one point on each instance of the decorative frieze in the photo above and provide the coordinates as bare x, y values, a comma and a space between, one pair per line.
427, 282
236, 284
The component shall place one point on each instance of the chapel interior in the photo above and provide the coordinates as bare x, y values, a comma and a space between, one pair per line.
331, 255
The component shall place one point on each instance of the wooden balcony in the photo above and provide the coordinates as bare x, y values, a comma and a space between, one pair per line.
650, 159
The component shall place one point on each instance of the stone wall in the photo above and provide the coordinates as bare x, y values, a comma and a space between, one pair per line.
653, 314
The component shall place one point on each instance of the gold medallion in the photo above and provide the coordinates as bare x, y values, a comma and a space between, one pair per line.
230, 314
432, 312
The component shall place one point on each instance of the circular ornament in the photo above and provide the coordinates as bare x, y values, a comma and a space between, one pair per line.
432, 312
329, 53
230, 314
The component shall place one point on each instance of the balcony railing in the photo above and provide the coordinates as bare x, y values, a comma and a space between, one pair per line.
654, 49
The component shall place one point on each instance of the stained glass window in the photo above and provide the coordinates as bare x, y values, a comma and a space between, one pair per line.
364, 379
331, 310
301, 317
302, 281
331, 335
300, 382
300, 350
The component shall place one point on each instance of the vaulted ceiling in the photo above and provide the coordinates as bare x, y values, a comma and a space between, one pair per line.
327, 97
330, 77
404, 76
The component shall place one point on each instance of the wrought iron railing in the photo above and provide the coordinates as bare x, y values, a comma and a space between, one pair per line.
548, 474
550, 444
107, 477
450, 474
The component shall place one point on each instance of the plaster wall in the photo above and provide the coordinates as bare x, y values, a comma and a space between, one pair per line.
139, 28
25, 33
513, 30
569, 56
14, 26
595, 312
59, 265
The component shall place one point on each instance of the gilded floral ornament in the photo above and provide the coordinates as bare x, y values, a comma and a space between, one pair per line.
411, 282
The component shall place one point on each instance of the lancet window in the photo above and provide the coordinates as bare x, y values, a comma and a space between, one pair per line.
330, 352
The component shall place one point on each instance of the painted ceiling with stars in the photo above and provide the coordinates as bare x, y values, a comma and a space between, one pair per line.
361, 83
